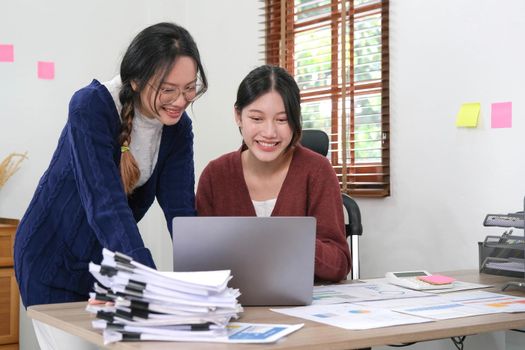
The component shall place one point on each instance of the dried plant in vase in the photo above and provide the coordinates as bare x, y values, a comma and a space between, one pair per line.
10, 165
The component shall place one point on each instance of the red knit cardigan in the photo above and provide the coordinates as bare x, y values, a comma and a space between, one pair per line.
310, 188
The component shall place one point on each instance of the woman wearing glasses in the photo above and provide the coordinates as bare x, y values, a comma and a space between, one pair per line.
125, 142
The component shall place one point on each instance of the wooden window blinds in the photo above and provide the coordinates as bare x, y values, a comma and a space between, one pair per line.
338, 53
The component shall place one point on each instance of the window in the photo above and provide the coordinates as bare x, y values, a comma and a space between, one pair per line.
338, 53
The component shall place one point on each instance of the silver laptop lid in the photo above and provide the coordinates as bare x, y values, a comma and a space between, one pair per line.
271, 258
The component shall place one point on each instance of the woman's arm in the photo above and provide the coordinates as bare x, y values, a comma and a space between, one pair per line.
332, 255
176, 186
93, 126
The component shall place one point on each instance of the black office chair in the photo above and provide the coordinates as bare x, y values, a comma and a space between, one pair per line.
318, 141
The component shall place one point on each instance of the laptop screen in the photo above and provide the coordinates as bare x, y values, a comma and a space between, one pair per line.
271, 258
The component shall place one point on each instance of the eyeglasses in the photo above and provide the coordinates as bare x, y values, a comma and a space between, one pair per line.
169, 93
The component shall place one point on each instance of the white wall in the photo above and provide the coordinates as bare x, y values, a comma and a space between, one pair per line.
87, 39
445, 179
443, 53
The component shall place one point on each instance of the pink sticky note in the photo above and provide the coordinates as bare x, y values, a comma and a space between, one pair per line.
501, 116
7, 53
436, 279
46, 70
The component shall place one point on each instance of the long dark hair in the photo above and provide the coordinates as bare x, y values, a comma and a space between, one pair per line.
152, 52
267, 78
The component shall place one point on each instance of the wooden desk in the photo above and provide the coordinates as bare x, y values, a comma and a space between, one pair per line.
72, 318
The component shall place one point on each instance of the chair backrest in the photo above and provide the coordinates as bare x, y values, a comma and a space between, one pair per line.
353, 227
318, 141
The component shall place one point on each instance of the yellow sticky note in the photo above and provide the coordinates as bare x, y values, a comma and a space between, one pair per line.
468, 115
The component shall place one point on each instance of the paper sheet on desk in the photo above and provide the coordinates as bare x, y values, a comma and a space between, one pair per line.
436, 307
453, 305
489, 301
460, 286
239, 332
442, 309
457, 286
235, 332
351, 316
356, 292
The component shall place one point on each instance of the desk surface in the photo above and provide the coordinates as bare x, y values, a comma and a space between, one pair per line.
72, 318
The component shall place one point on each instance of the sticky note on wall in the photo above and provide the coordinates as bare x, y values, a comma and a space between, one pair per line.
468, 115
46, 70
7, 53
501, 115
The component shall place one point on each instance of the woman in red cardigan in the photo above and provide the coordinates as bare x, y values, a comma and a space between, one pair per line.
272, 174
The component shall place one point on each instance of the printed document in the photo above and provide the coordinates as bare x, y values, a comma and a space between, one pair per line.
351, 316
355, 292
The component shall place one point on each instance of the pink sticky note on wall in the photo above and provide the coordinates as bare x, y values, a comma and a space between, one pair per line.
7, 53
46, 70
501, 116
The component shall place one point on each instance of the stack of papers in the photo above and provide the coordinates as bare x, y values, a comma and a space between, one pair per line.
516, 264
134, 302
143, 303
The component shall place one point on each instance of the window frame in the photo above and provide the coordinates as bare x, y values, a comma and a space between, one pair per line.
357, 179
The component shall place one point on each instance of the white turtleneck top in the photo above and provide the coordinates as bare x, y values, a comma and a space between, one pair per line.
145, 135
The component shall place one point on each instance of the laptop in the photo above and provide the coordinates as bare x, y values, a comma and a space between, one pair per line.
271, 258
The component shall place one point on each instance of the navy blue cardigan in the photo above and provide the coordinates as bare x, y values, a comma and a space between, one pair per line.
80, 206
